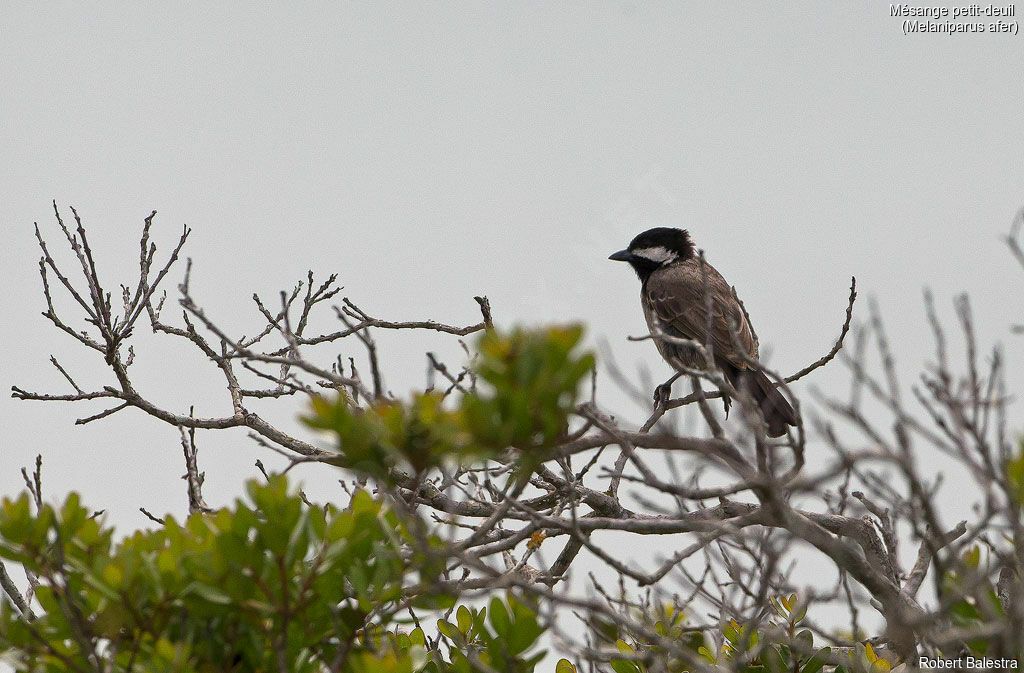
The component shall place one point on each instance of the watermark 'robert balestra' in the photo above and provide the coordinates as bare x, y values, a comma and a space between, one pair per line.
965, 663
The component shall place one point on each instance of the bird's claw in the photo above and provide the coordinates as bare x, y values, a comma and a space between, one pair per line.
662, 394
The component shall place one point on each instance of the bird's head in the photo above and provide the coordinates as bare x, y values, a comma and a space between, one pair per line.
655, 248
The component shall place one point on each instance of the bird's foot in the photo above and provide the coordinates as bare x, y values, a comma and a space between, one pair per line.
663, 392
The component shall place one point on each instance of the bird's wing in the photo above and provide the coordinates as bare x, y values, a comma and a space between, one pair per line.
675, 294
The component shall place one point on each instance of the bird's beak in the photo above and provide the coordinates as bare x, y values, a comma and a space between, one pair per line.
621, 256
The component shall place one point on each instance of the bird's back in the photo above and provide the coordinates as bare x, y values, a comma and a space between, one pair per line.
675, 301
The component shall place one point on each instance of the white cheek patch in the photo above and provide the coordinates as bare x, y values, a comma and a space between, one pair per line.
658, 254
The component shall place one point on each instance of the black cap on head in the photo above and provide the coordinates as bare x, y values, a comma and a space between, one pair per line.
670, 238
654, 248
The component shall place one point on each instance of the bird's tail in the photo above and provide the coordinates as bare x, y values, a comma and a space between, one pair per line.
776, 410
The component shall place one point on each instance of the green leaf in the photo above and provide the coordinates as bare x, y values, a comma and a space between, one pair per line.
772, 660
464, 619
417, 637
449, 630
499, 618
798, 610
525, 629
564, 666
817, 662
211, 594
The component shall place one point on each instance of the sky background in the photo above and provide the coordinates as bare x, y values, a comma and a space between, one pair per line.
430, 152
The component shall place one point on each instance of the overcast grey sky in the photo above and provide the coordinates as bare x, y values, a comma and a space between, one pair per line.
430, 152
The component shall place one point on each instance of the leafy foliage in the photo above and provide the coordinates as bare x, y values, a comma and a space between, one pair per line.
271, 584
772, 647
275, 582
532, 379
421, 433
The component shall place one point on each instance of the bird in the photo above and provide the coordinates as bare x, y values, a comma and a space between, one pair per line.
672, 295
